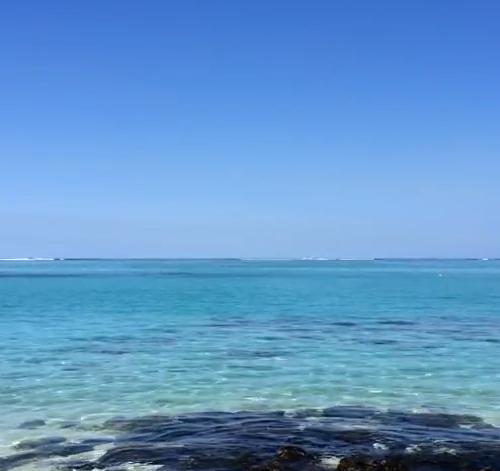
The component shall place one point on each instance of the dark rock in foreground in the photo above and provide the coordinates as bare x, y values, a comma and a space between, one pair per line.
288, 458
365, 439
426, 460
12, 461
48, 451
366, 463
142, 454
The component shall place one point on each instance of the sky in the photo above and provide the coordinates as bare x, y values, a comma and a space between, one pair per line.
264, 128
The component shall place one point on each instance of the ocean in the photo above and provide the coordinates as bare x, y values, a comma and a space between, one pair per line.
116, 363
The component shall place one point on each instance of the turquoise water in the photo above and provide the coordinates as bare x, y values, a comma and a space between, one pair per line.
88, 340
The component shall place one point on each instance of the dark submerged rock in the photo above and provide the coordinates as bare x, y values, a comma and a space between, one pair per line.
39, 443
357, 436
246, 460
97, 441
396, 322
440, 420
13, 461
76, 465
275, 441
349, 412
137, 424
66, 449
384, 342
306, 413
142, 454
49, 451
32, 424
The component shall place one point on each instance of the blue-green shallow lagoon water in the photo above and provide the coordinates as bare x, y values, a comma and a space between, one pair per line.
88, 340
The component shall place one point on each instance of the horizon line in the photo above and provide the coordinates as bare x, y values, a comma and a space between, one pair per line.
295, 259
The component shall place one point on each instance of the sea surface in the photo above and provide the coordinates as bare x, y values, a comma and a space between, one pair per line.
408, 350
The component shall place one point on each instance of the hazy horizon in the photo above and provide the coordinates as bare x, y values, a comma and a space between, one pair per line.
284, 259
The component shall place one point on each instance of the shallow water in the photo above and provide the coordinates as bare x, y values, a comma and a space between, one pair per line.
83, 342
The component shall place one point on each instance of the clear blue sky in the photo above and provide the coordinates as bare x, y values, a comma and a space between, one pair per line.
249, 128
